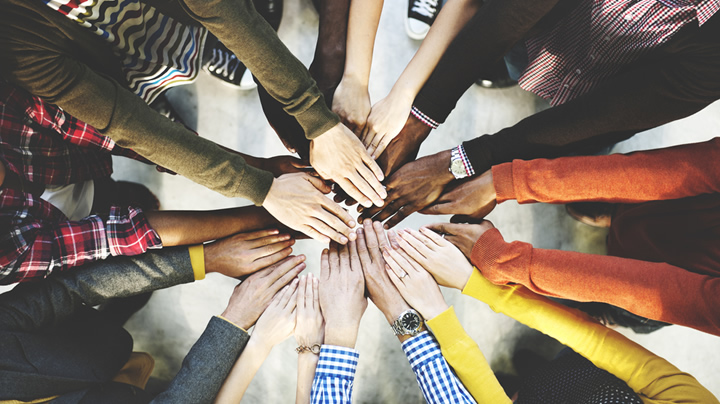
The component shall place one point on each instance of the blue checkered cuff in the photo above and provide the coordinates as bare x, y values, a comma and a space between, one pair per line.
424, 118
337, 361
421, 349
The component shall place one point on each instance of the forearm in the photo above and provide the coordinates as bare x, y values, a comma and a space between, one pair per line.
655, 290
362, 28
307, 362
41, 304
452, 18
194, 227
650, 376
670, 173
496, 27
243, 372
643, 98
239, 27
466, 359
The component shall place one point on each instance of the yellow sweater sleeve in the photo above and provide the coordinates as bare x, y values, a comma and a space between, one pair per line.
197, 260
466, 359
652, 377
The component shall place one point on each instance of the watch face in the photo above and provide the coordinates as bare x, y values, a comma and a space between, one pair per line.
457, 168
410, 321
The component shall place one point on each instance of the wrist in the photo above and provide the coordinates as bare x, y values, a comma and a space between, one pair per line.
260, 344
393, 311
237, 318
355, 79
345, 336
431, 311
402, 93
441, 165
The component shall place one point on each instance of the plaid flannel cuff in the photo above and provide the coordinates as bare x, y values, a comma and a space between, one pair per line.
129, 233
424, 118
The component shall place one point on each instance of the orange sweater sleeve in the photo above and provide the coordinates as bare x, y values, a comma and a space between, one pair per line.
655, 290
669, 173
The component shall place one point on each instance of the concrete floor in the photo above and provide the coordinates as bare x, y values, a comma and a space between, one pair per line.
175, 317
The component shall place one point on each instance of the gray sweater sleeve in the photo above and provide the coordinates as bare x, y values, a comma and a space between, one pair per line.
33, 305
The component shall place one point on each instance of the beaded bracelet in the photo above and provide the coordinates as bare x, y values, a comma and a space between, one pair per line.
315, 348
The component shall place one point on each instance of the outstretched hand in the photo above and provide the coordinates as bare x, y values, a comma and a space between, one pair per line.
473, 198
352, 104
338, 155
299, 202
250, 298
462, 235
404, 147
385, 121
412, 188
277, 322
309, 329
245, 253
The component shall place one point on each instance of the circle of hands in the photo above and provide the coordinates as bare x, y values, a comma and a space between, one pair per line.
397, 270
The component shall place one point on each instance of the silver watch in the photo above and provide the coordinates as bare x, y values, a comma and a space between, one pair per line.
408, 323
457, 166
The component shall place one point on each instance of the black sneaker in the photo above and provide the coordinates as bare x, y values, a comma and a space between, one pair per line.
498, 77
420, 16
162, 105
225, 66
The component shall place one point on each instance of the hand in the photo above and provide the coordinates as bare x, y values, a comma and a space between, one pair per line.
309, 328
413, 187
385, 121
338, 155
277, 322
280, 165
474, 198
352, 103
371, 242
250, 298
404, 147
245, 253
342, 294
415, 284
463, 236
436, 255
297, 201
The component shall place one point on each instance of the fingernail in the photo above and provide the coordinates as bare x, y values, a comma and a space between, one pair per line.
343, 240
352, 236
352, 223
274, 231
295, 281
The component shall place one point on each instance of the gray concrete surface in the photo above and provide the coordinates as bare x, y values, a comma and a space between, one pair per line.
174, 318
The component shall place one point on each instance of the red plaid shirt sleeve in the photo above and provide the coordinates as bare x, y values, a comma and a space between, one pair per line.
36, 248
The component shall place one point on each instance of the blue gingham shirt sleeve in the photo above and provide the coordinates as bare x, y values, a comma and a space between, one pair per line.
334, 375
437, 381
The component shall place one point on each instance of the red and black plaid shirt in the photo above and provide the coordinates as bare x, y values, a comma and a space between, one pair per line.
42, 144
599, 38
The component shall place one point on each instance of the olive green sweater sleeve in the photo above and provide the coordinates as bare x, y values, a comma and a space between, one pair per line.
239, 27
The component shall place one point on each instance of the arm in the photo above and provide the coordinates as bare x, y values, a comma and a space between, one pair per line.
670, 173
308, 335
34, 248
655, 290
352, 99
652, 377
389, 114
334, 375
436, 379
274, 325
466, 359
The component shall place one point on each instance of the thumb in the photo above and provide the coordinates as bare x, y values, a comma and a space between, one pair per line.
319, 184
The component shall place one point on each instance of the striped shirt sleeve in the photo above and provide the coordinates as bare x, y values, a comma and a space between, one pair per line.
437, 381
334, 375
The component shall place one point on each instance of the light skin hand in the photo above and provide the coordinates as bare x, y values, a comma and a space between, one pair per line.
474, 198
352, 104
338, 155
415, 284
298, 201
413, 187
436, 255
387, 118
462, 235
370, 244
250, 298
277, 322
245, 253
342, 299
309, 329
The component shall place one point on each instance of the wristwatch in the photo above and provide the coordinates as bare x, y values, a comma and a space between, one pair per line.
459, 164
408, 323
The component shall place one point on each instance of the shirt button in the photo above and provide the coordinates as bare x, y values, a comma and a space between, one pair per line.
578, 71
566, 85
607, 38
629, 17
592, 57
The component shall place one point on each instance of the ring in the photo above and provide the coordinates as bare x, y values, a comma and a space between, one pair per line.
403, 275
443, 235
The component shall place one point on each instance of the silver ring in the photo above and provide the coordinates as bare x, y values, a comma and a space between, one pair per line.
403, 275
443, 235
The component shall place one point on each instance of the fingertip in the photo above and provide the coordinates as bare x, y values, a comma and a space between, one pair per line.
343, 240
352, 236
352, 223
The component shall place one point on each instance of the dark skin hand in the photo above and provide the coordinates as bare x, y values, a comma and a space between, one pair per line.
404, 147
413, 187
472, 198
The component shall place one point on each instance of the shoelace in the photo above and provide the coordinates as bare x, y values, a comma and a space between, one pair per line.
222, 64
425, 7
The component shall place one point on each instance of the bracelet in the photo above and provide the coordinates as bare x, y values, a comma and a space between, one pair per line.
314, 348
